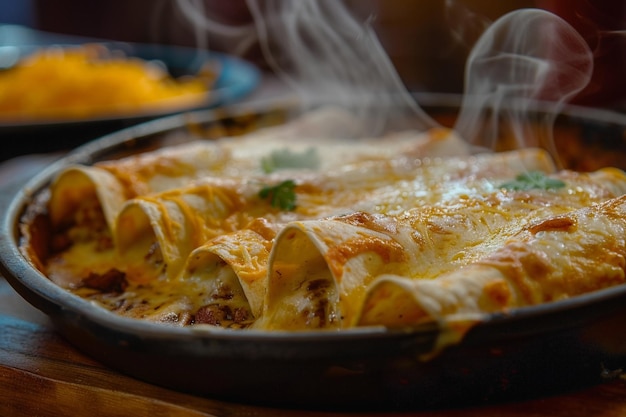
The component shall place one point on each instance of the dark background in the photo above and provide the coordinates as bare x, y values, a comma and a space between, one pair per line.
417, 35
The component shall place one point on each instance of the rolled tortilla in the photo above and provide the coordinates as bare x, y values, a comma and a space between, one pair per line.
246, 251
83, 186
320, 271
108, 184
244, 254
168, 167
157, 233
551, 259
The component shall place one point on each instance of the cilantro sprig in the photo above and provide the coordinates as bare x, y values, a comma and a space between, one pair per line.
533, 180
286, 158
281, 195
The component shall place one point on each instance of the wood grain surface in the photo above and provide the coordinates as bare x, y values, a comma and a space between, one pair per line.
43, 375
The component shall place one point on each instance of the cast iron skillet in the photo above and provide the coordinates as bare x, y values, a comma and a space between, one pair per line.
534, 351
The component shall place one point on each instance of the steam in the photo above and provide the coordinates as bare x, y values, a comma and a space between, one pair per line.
329, 56
525, 56
465, 25
237, 39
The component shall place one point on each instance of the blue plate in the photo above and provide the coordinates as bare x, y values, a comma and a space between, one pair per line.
237, 78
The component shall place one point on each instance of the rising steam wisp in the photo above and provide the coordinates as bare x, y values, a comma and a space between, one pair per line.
525, 57
330, 57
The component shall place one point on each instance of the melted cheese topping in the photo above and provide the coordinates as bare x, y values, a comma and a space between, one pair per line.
407, 230
547, 260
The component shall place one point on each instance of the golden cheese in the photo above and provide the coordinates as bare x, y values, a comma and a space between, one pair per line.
409, 229
91, 81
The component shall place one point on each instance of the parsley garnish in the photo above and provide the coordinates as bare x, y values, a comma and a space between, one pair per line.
280, 195
533, 180
285, 158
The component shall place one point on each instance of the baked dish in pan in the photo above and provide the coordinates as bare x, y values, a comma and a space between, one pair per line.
299, 248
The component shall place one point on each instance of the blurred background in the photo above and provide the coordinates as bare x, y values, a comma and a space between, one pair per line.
426, 42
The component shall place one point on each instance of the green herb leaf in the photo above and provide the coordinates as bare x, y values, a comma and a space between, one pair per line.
282, 195
533, 180
285, 158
